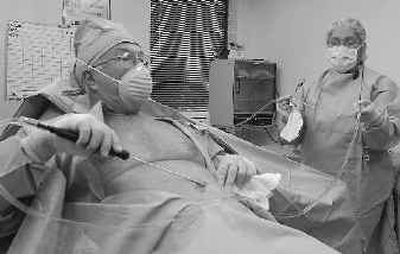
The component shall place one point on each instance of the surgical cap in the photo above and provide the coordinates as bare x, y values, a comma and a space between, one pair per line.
351, 23
96, 36
93, 38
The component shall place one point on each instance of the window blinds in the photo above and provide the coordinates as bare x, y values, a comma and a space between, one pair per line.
186, 35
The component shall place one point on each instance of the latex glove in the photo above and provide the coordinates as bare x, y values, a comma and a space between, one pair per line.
370, 114
94, 137
284, 108
234, 169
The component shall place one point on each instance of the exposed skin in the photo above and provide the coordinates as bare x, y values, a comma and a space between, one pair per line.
113, 66
138, 132
344, 35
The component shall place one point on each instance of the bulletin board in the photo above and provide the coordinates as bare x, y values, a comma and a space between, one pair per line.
37, 55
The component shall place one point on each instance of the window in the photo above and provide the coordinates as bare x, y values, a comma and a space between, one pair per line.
186, 35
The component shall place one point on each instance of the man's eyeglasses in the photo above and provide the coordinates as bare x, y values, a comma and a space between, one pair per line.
126, 56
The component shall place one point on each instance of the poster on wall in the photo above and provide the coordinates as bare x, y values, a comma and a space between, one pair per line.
73, 9
36, 56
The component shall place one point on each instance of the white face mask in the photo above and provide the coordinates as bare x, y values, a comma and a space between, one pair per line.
124, 95
342, 58
135, 88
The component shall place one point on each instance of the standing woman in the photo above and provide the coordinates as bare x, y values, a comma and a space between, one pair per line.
351, 119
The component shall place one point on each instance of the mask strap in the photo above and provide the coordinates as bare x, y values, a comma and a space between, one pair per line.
90, 67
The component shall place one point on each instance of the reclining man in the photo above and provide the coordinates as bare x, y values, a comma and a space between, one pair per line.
166, 198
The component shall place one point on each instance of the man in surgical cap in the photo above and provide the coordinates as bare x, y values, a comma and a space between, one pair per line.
163, 199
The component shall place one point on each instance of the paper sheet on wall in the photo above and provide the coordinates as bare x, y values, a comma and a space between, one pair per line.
37, 55
72, 9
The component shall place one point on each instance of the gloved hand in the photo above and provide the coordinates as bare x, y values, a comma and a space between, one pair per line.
283, 108
370, 114
234, 169
94, 137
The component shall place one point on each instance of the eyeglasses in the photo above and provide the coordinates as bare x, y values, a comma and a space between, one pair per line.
126, 56
350, 42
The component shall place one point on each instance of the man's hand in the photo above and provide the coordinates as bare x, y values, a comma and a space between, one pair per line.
94, 137
234, 169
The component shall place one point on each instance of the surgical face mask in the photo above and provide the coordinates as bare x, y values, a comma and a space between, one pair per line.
342, 58
135, 88
124, 95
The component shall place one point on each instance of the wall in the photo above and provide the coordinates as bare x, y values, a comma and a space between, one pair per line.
292, 32
134, 14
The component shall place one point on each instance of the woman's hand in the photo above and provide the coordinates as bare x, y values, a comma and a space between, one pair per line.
370, 114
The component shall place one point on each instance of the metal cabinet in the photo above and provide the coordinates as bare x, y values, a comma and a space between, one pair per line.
239, 88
